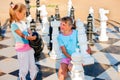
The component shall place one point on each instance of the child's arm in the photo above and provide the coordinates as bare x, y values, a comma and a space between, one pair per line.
24, 36
65, 52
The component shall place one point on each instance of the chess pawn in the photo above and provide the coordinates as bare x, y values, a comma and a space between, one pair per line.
77, 72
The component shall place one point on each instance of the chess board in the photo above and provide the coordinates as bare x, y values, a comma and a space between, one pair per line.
106, 55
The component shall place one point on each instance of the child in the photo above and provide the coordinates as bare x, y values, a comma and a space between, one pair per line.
20, 32
67, 40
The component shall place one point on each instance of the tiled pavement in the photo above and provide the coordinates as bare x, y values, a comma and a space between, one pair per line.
106, 55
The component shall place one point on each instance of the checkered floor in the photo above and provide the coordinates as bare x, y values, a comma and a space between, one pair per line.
106, 55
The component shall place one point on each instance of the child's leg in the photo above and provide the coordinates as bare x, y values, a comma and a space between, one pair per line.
32, 67
23, 64
63, 71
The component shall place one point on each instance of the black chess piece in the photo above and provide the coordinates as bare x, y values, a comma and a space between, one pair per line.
72, 17
33, 25
50, 33
28, 7
72, 14
57, 15
38, 19
90, 30
37, 44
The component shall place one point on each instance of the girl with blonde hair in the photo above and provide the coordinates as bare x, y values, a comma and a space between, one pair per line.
22, 34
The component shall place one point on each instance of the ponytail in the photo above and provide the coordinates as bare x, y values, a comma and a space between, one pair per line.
12, 15
17, 7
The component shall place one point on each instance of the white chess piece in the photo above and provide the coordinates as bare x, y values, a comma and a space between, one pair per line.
77, 72
43, 10
45, 23
69, 7
28, 19
56, 52
82, 42
103, 24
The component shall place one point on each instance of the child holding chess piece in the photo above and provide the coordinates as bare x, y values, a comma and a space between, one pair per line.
68, 41
22, 34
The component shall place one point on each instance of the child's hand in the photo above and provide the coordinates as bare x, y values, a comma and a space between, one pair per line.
31, 37
34, 37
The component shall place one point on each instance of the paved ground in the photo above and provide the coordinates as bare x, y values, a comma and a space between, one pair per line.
106, 55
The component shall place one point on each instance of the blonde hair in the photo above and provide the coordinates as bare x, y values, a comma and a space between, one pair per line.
19, 7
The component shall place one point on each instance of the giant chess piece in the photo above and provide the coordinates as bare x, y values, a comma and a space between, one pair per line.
103, 24
45, 23
69, 7
91, 11
37, 44
28, 7
28, 20
56, 52
38, 19
77, 72
82, 42
72, 14
33, 25
90, 30
50, 33
57, 15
